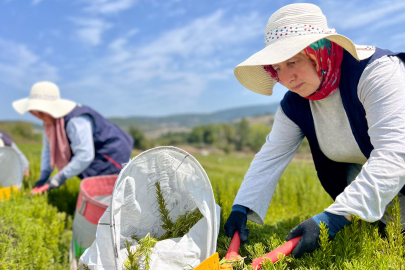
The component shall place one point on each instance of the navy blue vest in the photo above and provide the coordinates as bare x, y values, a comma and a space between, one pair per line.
112, 146
6, 139
333, 174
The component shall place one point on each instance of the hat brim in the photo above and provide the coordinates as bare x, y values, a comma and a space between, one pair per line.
251, 74
55, 108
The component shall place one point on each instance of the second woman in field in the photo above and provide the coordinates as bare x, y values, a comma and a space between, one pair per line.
77, 139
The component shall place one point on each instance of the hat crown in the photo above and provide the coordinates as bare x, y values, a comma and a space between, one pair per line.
295, 15
45, 91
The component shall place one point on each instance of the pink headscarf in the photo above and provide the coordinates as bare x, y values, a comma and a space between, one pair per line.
58, 143
328, 57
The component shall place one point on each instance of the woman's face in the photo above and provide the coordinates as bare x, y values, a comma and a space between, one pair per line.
298, 74
43, 116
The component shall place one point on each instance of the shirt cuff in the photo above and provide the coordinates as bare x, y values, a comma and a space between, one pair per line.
240, 208
333, 222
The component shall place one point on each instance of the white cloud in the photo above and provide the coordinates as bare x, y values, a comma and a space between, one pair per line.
36, 2
205, 36
391, 21
397, 42
90, 30
356, 14
107, 6
176, 12
132, 32
175, 68
20, 67
202, 46
400, 36
48, 51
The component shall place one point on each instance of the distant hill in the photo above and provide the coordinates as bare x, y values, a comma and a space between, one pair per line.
183, 122
155, 126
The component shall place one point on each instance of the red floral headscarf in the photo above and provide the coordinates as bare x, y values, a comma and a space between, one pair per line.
327, 57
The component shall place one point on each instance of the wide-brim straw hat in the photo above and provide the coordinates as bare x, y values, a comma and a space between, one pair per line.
290, 30
45, 97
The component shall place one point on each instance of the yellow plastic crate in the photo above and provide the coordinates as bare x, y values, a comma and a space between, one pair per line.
212, 263
5, 193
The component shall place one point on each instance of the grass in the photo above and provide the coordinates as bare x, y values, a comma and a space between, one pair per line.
297, 197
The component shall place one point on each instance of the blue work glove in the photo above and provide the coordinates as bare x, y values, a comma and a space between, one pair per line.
310, 231
43, 178
56, 181
237, 222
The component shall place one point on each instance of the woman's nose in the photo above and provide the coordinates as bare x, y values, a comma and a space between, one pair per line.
288, 76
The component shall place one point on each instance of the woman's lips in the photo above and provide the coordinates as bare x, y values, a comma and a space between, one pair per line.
298, 86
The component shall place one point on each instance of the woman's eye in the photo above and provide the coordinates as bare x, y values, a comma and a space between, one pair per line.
292, 63
277, 69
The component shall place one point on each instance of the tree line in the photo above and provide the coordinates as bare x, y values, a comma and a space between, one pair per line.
228, 137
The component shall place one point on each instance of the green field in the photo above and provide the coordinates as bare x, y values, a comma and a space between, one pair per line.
35, 230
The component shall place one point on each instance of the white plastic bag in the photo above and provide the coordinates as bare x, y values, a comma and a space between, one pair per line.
11, 168
134, 211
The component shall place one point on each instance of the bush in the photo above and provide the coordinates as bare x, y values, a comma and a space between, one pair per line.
304, 147
21, 132
140, 141
32, 234
242, 134
362, 245
173, 138
258, 135
65, 197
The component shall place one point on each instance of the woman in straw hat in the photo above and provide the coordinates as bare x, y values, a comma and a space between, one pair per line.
77, 139
349, 102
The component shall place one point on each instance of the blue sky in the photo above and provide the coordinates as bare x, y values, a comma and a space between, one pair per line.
150, 57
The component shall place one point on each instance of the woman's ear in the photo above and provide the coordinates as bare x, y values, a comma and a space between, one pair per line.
313, 63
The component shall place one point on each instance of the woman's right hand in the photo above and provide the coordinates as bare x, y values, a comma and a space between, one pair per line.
43, 178
237, 222
40, 182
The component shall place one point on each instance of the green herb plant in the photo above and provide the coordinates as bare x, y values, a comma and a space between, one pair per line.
140, 256
35, 235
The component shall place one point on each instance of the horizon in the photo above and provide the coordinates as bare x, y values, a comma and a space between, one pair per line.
39, 122
126, 58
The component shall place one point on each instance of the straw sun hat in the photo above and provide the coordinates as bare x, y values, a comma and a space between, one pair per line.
45, 97
290, 30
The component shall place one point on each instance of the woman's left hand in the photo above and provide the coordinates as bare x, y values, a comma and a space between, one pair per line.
56, 181
310, 231
309, 242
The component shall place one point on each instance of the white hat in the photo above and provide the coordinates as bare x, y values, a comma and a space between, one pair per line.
290, 30
45, 97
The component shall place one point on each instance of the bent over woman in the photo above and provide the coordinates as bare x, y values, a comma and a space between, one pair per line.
347, 100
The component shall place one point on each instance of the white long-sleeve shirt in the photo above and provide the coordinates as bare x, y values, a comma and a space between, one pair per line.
381, 90
79, 130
